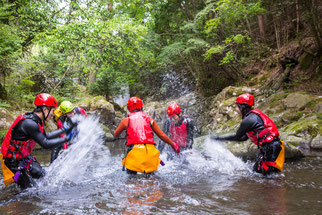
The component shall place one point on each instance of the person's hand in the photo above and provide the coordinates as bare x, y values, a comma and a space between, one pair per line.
176, 147
70, 124
71, 134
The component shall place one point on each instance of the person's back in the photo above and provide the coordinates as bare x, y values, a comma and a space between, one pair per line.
142, 156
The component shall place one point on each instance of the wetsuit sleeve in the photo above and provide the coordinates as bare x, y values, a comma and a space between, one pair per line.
190, 133
55, 133
248, 124
166, 129
160, 133
31, 128
122, 126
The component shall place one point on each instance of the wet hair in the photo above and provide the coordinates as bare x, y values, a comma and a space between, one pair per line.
39, 109
244, 108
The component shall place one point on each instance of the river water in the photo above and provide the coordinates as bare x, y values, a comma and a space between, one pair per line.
88, 179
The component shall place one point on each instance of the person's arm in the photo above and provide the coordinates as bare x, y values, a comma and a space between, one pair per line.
190, 133
122, 126
31, 128
246, 125
54, 134
166, 128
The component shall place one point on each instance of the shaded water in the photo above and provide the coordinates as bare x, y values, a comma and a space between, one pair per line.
88, 179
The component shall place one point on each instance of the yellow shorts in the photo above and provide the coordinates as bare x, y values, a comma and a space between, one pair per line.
7, 174
281, 158
142, 158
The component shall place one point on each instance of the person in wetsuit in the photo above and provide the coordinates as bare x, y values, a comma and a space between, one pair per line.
22, 136
262, 131
142, 156
179, 127
63, 115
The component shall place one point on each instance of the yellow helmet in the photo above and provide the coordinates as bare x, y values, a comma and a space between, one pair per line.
57, 113
66, 107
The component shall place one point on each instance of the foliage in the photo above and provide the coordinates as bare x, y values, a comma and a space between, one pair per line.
56, 46
3, 104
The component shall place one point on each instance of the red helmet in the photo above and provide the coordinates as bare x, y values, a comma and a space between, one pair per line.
134, 103
245, 98
45, 99
173, 109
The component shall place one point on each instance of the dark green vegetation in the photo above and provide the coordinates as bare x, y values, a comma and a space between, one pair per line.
60, 46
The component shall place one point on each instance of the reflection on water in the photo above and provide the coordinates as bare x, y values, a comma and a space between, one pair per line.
88, 179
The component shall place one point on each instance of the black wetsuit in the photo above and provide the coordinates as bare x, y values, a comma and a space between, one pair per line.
268, 152
190, 133
55, 151
26, 130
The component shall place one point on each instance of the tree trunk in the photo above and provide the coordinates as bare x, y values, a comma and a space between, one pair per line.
3, 92
297, 16
261, 26
277, 34
249, 28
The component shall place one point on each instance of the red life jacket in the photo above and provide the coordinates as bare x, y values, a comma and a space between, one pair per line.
139, 130
179, 133
265, 134
16, 148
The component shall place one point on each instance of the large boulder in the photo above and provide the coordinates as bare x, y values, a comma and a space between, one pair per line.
99, 106
307, 131
297, 100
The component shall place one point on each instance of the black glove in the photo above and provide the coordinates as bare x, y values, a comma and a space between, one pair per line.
68, 126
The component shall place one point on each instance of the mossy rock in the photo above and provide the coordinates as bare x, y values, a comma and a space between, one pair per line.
305, 60
297, 100
291, 116
310, 124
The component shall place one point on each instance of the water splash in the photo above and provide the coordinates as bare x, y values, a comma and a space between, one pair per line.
222, 159
173, 85
80, 162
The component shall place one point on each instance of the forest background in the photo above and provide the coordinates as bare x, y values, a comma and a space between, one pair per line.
76, 47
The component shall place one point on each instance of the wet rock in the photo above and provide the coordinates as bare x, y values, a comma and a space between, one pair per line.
317, 142
297, 100
99, 106
249, 151
318, 108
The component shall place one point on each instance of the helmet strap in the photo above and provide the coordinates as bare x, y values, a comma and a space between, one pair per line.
43, 115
